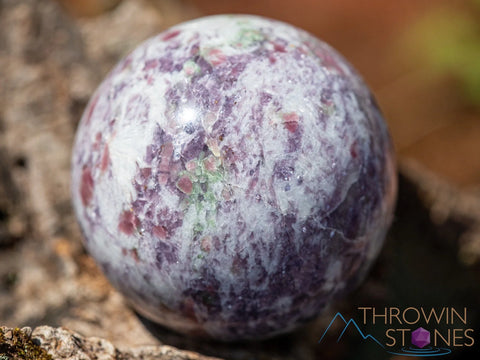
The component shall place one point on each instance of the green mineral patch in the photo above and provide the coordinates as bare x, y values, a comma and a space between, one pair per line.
248, 37
191, 68
328, 108
206, 172
203, 172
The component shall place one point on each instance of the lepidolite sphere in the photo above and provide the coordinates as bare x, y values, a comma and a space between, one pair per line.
232, 176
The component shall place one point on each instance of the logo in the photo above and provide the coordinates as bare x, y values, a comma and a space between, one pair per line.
416, 332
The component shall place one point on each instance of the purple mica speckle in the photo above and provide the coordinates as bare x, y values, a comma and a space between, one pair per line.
233, 176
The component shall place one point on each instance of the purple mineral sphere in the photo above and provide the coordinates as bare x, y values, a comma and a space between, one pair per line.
233, 176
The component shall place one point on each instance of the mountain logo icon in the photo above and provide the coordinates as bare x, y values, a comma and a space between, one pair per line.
347, 324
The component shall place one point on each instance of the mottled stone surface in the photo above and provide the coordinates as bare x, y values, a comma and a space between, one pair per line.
232, 176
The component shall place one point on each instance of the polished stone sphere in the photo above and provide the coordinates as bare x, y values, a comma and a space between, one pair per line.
232, 176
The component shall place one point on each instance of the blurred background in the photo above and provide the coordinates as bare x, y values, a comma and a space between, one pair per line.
421, 59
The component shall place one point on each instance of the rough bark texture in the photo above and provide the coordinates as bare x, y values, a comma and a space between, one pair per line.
45, 342
49, 66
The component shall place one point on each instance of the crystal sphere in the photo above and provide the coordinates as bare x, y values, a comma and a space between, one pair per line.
232, 176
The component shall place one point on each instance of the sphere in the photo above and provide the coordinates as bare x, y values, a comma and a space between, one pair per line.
232, 176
